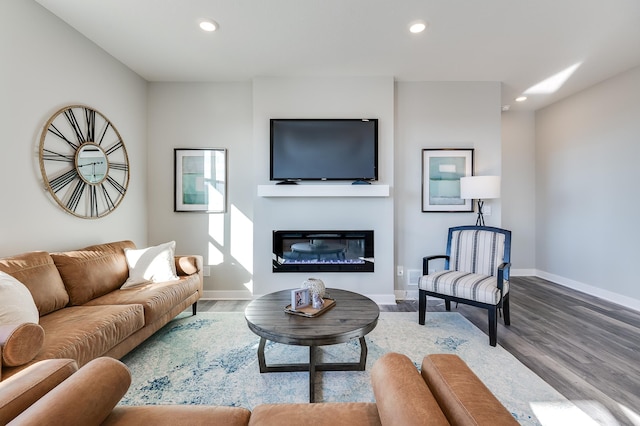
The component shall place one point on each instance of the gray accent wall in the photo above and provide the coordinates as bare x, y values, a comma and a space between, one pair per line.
47, 65
587, 196
519, 188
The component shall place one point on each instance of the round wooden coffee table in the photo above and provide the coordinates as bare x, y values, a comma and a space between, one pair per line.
352, 317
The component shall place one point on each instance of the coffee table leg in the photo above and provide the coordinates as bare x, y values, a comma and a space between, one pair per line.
312, 373
261, 361
363, 354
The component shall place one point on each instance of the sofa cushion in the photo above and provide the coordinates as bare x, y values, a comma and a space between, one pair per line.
462, 396
401, 394
317, 414
480, 288
85, 398
20, 343
172, 415
152, 264
39, 274
25, 387
93, 271
17, 303
157, 298
87, 332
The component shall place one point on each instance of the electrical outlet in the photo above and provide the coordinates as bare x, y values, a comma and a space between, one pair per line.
400, 271
206, 271
486, 210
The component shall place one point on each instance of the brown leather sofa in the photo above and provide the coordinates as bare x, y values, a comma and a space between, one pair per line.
83, 313
445, 392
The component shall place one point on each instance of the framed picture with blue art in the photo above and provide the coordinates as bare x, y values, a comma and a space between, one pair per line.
441, 173
200, 180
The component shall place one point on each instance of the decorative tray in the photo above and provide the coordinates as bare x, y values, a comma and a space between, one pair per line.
309, 311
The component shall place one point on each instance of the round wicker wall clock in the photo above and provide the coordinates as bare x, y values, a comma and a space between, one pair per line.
84, 162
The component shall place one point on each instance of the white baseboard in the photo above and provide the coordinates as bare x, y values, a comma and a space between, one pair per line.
523, 272
610, 296
410, 294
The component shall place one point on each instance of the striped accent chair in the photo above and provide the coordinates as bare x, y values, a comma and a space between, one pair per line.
476, 272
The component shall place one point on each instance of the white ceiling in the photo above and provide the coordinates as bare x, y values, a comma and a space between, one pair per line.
516, 42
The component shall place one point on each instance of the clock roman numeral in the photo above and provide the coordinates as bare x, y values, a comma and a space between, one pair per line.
56, 156
53, 129
73, 121
63, 180
119, 166
93, 201
110, 204
76, 195
90, 117
121, 189
113, 148
99, 142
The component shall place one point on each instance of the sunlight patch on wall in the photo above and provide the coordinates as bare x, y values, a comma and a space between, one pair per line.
215, 256
553, 83
216, 233
249, 286
241, 239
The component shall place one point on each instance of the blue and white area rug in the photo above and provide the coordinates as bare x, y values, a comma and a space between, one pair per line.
211, 359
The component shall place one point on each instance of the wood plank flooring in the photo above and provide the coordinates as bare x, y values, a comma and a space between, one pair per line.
586, 348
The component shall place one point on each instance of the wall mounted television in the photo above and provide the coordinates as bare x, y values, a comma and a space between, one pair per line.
324, 149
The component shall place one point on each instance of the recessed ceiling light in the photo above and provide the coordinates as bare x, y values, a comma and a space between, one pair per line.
521, 98
208, 25
417, 27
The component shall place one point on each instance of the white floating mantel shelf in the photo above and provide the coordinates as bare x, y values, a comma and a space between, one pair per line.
323, 190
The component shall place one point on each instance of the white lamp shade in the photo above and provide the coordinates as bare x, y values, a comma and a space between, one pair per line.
479, 187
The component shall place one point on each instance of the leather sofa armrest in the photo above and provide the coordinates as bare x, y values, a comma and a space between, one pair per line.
85, 398
172, 415
317, 414
462, 396
24, 388
20, 343
402, 396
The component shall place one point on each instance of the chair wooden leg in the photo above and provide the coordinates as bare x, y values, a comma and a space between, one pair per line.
493, 326
505, 308
422, 306
447, 304
194, 307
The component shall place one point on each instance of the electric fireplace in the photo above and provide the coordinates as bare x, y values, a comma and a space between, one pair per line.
323, 251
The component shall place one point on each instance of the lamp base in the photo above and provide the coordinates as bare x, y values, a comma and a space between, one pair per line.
480, 220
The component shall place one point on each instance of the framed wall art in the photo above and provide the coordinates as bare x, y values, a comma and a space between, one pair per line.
200, 180
441, 173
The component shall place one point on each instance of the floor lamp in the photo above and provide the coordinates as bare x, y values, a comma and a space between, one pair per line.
480, 188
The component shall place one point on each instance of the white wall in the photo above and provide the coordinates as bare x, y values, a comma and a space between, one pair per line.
439, 115
46, 65
518, 188
370, 97
587, 203
206, 115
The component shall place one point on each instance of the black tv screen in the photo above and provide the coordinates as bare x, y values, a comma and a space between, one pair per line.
324, 149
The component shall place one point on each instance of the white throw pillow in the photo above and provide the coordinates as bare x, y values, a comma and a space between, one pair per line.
16, 303
152, 264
